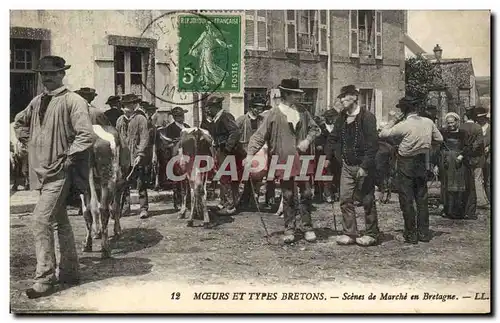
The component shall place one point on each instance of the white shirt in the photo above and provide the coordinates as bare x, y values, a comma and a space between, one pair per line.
180, 125
485, 127
329, 127
291, 114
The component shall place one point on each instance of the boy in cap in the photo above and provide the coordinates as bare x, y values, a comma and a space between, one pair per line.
226, 135
134, 130
289, 130
173, 132
354, 142
57, 129
248, 124
114, 111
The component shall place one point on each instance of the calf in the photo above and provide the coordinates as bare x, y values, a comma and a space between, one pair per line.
19, 162
385, 161
107, 183
195, 142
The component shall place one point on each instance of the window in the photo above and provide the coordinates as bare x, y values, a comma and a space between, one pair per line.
23, 54
251, 93
256, 29
290, 31
323, 33
366, 99
365, 36
306, 32
130, 65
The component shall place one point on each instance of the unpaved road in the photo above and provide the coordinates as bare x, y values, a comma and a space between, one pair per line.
161, 252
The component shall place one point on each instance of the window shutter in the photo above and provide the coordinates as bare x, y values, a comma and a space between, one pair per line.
290, 31
262, 29
378, 34
378, 106
323, 32
354, 32
250, 29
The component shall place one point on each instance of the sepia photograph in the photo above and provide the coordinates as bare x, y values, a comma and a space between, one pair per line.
250, 161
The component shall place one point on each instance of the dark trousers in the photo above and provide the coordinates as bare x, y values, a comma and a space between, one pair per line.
470, 191
292, 206
486, 179
270, 191
364, 190
412, 182
181, 188
140, 178
249, 196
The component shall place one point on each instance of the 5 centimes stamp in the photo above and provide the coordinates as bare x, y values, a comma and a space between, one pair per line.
210, 53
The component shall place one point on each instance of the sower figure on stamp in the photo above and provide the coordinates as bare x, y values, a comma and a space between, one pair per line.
137, 140
57, 129
114, 111
474, 151
248, 124
289, 131
226, 135
354, 138
415, 135
173, 132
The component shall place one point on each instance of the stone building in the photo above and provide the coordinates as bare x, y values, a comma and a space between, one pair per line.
121, 51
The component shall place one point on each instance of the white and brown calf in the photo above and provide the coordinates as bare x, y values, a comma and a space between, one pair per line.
195, 142
106, 188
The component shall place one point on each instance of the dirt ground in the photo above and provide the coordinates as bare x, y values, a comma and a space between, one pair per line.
235, 250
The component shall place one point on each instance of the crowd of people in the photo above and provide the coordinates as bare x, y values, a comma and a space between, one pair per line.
57, 129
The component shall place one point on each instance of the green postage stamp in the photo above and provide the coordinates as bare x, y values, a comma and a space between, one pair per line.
210, 53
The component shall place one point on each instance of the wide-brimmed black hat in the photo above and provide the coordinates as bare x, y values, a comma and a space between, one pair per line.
348, 90
178, 111
214, 100
86, 91
51, 64
113, 99
330, 113
481, 112
291, 85
148, 106
258, 101
130, 98
407, 101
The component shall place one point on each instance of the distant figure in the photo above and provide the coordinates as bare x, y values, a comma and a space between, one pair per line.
115, 111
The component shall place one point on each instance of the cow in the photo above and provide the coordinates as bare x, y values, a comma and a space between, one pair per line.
195, 142
19, 162
109, 162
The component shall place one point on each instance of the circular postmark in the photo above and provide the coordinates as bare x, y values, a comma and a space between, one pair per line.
203, 62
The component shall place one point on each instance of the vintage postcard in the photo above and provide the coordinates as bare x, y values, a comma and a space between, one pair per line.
250, 161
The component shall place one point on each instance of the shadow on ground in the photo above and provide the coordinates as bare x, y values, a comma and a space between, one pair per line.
135, 239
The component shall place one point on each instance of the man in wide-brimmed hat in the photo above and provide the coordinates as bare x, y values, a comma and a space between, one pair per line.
150, 109
474, 190
415, 135
134, 129
354, 143
483, 120
97, 115
114, 111
289, 130
226, 135
248, 124
173, 132
58, 132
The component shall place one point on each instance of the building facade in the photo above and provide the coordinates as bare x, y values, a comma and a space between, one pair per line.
120, 51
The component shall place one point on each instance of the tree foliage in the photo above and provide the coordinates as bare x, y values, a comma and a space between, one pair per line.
420, 77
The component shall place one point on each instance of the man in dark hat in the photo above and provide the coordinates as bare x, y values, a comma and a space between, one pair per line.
475, 145
329, 189
150, 109
133, 127
290, 131
248, 124
415, 135
115, 111
173, 132
354, 142
97, 116
483, 120
226, 135
58, 132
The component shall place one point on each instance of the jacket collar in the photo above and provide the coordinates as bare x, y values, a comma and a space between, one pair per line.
56, 91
